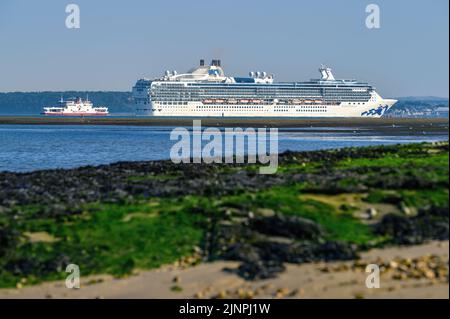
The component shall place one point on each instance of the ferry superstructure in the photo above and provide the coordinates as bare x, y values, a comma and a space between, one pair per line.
76, 107
206, 91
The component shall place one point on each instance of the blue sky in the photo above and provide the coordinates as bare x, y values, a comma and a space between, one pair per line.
120, 41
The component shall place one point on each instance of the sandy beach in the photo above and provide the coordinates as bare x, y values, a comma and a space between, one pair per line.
209, 280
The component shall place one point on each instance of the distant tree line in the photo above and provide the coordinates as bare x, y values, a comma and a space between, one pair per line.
121, 102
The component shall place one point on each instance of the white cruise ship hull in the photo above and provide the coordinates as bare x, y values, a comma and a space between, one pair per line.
374, 109
206, 92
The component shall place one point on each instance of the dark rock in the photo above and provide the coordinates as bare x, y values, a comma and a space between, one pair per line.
302, 252
400, 228
263, 269
9, 238
430, 223
265, 259
287, 226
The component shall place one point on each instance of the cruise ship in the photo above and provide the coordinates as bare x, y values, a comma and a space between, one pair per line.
75, 107
206, 91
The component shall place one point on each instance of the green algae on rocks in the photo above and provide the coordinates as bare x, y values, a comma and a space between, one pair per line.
321, 205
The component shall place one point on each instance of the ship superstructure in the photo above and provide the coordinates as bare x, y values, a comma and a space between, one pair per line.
207, 91
76, 107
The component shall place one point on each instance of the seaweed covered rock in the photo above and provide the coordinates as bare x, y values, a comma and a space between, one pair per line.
249, 230
287, 226
433, 222
9, 238
430, 223
306, 251
9, 235
265, 259
40, 265
263, 244
261, 269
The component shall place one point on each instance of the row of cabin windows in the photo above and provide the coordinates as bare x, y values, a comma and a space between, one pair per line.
234, 107
230, 107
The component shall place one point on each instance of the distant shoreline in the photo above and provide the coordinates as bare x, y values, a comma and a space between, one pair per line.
228, 122
384, 126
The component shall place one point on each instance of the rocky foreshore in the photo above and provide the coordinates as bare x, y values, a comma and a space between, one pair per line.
319, 206
420, 272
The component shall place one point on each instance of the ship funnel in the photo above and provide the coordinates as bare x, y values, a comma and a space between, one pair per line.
202, 62
215, 62
326, 73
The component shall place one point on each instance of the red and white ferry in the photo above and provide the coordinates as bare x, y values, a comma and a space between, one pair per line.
76, 107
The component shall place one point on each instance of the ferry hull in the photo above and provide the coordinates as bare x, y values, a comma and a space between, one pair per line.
75, 107
74, 114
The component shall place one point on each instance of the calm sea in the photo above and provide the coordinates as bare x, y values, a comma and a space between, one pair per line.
32, 147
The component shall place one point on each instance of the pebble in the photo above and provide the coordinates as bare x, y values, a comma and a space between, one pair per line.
372, 213
282, 292
199, 295
405, 209
222, 294
431, 267
248, 292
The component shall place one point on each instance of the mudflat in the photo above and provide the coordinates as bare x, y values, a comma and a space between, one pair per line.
387, 124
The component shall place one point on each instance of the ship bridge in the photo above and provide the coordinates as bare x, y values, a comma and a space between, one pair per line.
214, 73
